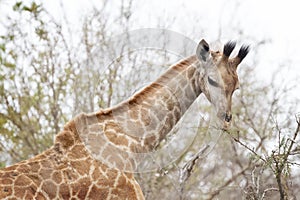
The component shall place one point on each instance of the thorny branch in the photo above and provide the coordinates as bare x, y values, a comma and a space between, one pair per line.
281, 163
280, 160
248, 148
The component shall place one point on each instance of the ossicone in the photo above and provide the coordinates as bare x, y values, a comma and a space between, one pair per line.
228, 48
244, 50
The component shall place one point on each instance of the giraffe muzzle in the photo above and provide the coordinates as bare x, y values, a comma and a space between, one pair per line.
226, 117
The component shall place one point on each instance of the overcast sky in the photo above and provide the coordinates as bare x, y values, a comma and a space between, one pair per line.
275, 21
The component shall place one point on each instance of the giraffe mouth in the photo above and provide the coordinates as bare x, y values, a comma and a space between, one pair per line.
226, 126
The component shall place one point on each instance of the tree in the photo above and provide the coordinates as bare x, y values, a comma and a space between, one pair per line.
35, 69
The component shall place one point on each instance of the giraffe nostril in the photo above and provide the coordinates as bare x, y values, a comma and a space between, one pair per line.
228, 117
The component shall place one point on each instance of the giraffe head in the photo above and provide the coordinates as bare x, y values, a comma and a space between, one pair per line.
219, 79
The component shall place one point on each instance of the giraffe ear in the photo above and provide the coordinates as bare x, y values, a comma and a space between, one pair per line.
202, 51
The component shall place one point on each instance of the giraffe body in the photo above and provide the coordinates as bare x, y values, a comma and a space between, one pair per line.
66, 171
95, 155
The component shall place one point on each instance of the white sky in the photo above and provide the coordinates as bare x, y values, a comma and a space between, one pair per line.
277, 21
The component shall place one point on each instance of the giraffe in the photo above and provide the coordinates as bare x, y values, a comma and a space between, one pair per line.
94, 156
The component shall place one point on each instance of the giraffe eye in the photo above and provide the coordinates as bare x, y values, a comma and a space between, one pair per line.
212, 82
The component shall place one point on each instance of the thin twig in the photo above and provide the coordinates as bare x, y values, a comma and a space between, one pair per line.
245, 146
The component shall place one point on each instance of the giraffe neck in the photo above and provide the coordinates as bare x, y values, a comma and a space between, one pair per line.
157, 108
140, 123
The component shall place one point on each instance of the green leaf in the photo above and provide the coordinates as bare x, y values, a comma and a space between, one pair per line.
9, 65
34, 8
26, 8
17, 6
2, 47
11, 37
2, 165
41, 33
